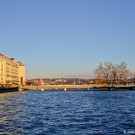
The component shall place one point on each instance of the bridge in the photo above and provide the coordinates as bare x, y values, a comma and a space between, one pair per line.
87, 87
57, 87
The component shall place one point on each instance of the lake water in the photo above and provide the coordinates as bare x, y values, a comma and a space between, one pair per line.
67, 113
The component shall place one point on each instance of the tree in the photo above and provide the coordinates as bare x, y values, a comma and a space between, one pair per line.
110, 73
122, 72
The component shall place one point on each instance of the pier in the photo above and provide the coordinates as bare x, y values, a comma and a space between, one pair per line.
84, 87
56, 87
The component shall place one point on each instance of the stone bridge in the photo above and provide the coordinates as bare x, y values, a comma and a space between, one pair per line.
66, 87
58, 87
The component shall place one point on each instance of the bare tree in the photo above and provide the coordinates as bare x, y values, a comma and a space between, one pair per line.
107, 71
112, 73
122, 72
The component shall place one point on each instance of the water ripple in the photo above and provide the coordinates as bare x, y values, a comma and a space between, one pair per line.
70, 113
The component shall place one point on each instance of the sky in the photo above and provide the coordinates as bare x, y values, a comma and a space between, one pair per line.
67, 38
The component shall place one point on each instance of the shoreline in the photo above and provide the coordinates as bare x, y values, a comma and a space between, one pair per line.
68, 88
79, 87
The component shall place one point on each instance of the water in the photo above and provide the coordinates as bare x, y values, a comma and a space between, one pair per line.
67, 113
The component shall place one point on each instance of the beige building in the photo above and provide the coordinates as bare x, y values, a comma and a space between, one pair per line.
11, 71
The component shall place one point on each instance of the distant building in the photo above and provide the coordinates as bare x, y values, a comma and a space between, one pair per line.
12, 72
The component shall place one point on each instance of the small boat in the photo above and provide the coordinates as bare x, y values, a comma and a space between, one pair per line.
8, 89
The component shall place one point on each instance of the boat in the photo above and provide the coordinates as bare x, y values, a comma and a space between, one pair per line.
8, 89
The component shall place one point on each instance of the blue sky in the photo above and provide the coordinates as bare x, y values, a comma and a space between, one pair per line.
67, 38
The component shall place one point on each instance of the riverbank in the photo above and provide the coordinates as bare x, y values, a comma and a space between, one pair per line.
68, 88
77, 87
56, 87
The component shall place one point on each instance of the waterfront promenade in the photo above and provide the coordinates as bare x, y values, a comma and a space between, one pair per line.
87, 87
58, 87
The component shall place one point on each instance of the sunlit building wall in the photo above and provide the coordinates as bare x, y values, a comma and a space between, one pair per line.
11, 71
21, 73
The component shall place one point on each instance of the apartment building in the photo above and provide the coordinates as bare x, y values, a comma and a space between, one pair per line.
12, 72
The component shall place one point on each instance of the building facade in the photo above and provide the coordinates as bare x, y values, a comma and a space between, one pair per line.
12, 72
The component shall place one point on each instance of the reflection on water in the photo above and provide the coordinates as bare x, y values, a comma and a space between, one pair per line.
70, 113
11, 111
